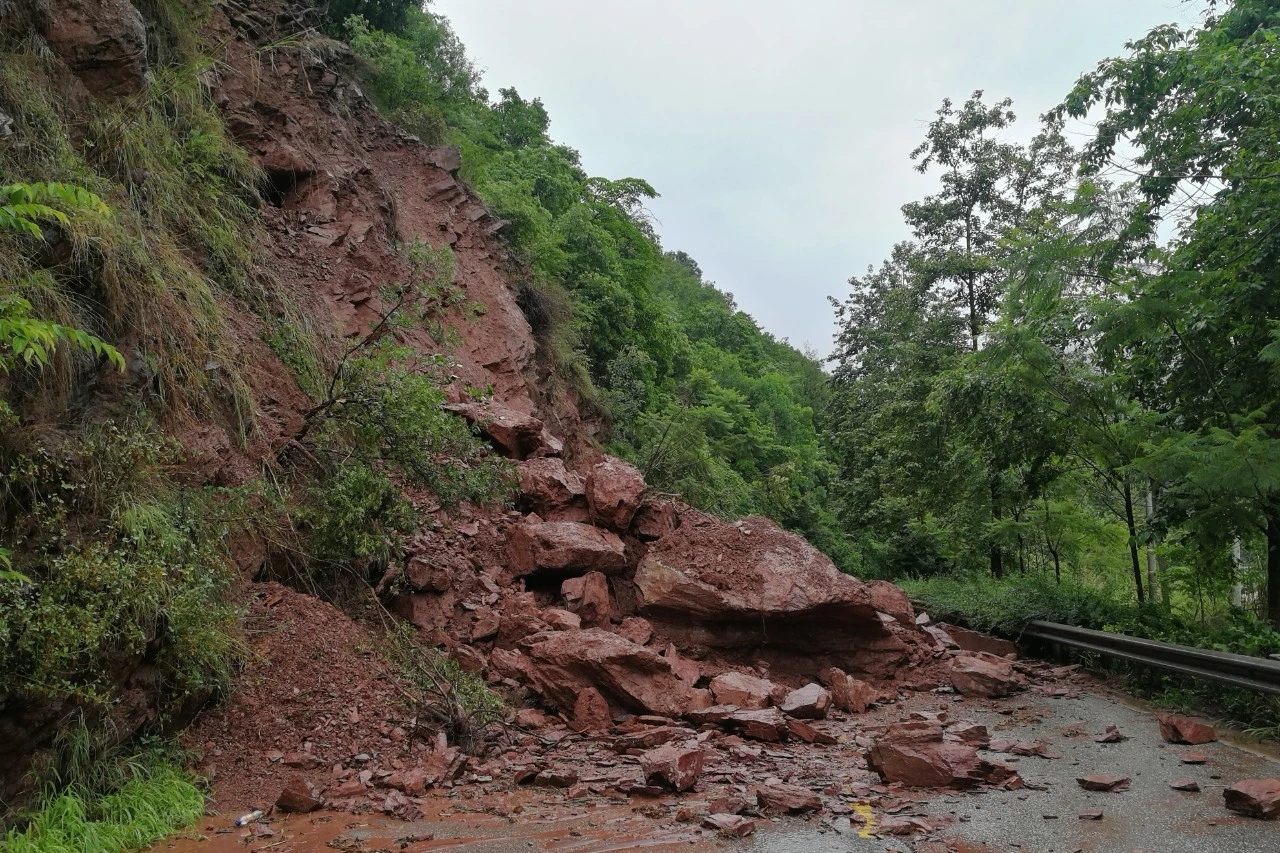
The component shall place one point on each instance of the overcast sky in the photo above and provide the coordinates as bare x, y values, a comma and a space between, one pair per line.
779, 134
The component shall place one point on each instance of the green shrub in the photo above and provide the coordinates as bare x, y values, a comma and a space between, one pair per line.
1003, 608
117, 561
445, 697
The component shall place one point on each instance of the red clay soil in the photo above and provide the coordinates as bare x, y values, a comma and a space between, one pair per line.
314, 693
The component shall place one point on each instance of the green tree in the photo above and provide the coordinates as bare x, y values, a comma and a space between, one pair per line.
1201, 107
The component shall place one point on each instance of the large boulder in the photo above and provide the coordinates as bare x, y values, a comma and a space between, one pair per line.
753, 588
514, 434
551, 490
979, 674
588, 596
742, 690
915, 754
655, 519
631, 677
614, 492
103, 42
564, 548
671, 766
848, 694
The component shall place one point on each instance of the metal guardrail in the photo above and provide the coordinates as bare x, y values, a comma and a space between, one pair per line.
1244, 671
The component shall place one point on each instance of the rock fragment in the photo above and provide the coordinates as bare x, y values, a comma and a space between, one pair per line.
614, 492
744, 691
979, 674
298, 797
787, 799
564, 548
729, 825
848, 694
673, 767
810, 702
1258, 798
591, 712
1176, 728
1104, 782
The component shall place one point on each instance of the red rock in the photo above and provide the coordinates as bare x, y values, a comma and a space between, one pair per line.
810, 702
766, 724
1178, 729
655, 519
730, 804
1111, 735
514, 434
764, 588
787, 799
848, 694
1194, 758
1091, 814
966, 731
507, 663
1103, 782
1190, 785
556, 777
672, 767
686, 670
729, 825
699, 699
1020, 747
564, 548
712, 714
630, 677
1254, 798
972, 641
944, 639
650, 737
808, 733
305, 760
346, 790
614, 492
104, 42
591, 713
916, 754
890, 598
561, 620
532, 718
297, 797
470, 659
486, 625
636, 629
978, 674
549, 489
588, 596
745, 691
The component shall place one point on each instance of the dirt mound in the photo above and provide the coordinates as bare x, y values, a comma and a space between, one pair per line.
314, 694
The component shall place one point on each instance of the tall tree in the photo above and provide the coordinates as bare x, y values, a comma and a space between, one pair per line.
1201, 107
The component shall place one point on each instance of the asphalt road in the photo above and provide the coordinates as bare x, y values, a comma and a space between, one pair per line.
1042, 818
1149, 816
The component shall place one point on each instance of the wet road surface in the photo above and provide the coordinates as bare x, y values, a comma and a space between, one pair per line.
1043, 818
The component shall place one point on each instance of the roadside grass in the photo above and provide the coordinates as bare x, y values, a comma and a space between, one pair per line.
157, 801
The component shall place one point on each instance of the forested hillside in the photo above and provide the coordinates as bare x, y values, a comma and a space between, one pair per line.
1068, 373
709, 405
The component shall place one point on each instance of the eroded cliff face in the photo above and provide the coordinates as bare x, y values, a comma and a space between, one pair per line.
589, 586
